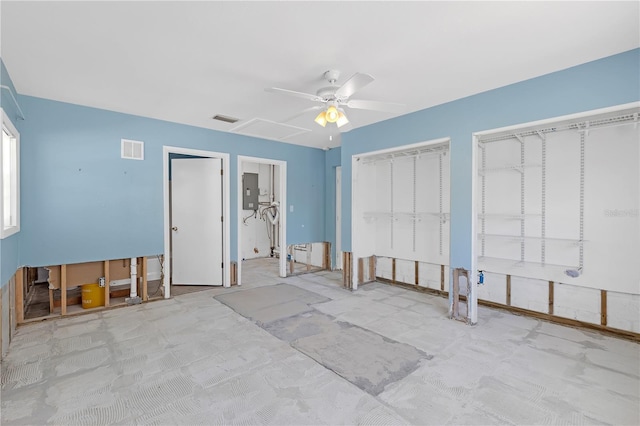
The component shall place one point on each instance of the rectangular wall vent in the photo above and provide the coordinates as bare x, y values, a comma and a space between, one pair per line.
132, 150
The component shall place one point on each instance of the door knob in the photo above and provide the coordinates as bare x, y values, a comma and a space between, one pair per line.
175, 228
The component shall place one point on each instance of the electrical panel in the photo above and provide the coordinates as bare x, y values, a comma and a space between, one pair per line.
250, 191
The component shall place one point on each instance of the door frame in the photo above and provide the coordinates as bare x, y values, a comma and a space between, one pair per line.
338, 218
166, 151
283, 211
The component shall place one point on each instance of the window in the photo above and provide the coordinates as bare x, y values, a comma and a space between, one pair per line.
9, 178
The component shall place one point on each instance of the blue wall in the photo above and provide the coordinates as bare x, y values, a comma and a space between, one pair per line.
332, 160
607, 82
82, 202
9, 247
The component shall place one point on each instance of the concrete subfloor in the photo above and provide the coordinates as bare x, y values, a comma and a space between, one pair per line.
194, 360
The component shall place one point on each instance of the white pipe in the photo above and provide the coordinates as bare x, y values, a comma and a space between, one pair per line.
134, 278
273, 218
272, 186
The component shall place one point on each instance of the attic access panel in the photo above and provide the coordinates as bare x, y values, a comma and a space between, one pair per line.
266, 129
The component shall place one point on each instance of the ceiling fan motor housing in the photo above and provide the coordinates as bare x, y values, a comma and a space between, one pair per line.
332, 76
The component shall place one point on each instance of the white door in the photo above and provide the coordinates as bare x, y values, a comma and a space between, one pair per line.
196, 221
338, 217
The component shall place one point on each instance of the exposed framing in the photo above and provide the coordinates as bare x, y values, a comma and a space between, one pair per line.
226, 246
601, 326
74, 275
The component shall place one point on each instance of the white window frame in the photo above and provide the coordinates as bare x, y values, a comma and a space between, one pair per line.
14, 228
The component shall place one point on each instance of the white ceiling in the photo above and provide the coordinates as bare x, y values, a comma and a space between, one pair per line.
187, 61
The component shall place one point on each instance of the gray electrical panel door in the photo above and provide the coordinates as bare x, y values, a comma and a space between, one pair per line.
250, 191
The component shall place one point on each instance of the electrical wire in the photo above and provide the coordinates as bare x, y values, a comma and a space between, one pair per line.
254, 215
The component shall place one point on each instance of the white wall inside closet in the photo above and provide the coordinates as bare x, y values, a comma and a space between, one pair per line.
558, 207
401, 204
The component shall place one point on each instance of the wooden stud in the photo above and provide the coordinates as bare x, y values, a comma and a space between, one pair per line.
441, 277
417, 268
234, 273
326, 258
63, 289
19, 296
345, 269
51, 302
350, 263
393, 270
145, 290
551, 297
508, 290
107, 280
360, 270
372, 268
603, 307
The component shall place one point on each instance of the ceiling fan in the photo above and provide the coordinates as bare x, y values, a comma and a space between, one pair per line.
335, 98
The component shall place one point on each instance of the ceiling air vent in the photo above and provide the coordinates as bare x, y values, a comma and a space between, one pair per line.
225, 118
132, 150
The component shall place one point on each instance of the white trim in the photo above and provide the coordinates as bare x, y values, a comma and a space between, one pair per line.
338, 213
4, 233
283, 210
552, 120
473, 297
226, 235
404, 147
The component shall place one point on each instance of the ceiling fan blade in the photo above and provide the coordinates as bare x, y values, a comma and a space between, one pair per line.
304, 111
302, 95
375, 105
355, 83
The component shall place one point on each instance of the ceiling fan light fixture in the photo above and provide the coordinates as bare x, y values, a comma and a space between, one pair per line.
321, 119
332, 114
342, 119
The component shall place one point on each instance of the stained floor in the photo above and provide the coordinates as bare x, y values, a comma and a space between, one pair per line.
194, 360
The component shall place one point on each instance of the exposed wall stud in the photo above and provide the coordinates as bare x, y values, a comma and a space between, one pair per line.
393, 270
603, 307
551, 297
63, 289
19, 295
508, 290
372, 268
145, 293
